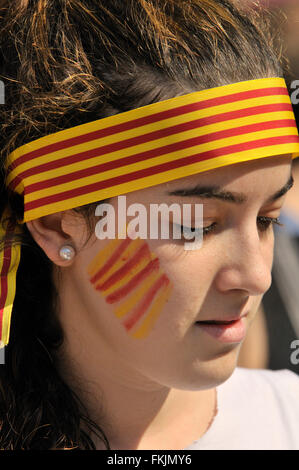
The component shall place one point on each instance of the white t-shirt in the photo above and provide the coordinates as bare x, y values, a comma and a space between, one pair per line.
258, 409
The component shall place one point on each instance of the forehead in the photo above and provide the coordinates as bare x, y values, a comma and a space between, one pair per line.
256, 179
274, 170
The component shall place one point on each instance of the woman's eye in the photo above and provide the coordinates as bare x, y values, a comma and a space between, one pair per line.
205, 230
265, 223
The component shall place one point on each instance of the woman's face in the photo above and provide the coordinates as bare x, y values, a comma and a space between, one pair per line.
133, 305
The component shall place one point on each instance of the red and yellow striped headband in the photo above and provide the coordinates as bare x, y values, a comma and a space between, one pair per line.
145, 147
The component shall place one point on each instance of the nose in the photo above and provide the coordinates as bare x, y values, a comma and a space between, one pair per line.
246, 263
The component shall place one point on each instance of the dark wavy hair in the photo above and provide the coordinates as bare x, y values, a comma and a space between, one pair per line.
65, 63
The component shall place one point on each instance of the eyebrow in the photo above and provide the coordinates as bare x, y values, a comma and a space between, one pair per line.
215, 192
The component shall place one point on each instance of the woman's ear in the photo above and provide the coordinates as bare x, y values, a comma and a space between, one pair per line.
52, 232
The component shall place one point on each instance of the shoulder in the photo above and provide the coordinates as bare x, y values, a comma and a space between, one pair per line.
265, 375
272, 382
279, 387
258, 409
267, 401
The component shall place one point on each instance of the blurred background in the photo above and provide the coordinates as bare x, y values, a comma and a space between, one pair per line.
273, 338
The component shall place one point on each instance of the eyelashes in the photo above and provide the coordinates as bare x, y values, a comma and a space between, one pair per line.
263, 223
267, 222
205, 230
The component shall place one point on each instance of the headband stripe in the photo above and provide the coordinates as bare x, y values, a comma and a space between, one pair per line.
137, 149
124, 178
157, 152
9, 261
4, 285
162, 133
153, 118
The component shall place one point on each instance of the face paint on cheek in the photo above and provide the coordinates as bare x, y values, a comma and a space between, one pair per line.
128, 274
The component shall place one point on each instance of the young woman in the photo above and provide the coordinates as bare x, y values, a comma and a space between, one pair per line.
112, 342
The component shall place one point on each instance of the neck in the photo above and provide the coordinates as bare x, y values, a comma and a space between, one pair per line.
134, 411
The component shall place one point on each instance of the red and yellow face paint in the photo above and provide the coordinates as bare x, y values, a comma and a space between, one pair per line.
144, 147
129, 277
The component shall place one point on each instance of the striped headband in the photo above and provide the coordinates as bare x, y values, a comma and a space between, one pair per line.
144, 147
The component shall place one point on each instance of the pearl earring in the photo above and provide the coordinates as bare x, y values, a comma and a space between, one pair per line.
67, 252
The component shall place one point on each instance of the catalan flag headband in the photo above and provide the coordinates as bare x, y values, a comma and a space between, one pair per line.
144, 147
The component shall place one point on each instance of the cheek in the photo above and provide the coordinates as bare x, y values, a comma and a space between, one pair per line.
192, 272
130, 279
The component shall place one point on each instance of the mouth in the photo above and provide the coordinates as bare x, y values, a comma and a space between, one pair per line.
216, 322
223, 321
225, 331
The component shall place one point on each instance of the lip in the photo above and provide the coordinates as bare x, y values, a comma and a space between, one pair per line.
224, 319
226, 333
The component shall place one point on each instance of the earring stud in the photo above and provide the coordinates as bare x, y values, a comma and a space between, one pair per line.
67, 252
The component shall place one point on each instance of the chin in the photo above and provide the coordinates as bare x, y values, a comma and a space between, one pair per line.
204, 374
210, 374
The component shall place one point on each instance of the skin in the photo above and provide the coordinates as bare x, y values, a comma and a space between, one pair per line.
254, 352
159, 391
130, 279
291, 203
